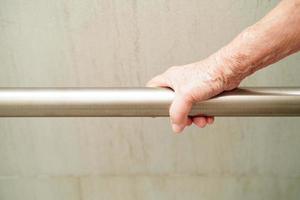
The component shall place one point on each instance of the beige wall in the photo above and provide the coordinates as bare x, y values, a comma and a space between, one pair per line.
124, 43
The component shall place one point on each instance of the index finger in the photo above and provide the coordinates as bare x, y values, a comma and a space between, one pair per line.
158, 81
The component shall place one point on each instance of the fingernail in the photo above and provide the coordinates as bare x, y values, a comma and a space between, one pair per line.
176, 128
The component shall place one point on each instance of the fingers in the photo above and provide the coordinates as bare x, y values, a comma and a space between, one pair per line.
201, 122
210, 120
179, 111
179, 108
189, 122
158, 81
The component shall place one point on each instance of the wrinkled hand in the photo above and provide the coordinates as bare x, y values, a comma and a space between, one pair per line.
193, 83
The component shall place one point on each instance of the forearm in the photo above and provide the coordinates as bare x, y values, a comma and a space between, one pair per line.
274, 37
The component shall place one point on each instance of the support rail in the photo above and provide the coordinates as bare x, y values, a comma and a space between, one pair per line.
143, 102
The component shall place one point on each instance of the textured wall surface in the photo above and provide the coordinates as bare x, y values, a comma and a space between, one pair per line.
124, 43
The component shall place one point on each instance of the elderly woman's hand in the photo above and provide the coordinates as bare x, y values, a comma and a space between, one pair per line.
193, 83
274, 37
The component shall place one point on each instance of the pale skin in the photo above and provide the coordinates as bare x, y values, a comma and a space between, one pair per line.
274, 37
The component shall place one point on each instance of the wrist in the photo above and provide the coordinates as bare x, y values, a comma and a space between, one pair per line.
226, 69
237, 60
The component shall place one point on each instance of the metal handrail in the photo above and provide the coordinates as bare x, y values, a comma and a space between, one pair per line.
143, 102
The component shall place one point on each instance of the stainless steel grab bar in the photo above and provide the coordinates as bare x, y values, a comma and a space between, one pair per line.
143, 102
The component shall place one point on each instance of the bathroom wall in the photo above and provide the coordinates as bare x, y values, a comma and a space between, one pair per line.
97, 43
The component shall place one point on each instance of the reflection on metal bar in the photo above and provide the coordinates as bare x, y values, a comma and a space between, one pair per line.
143, 102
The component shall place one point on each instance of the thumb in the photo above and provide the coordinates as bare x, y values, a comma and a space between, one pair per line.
179, 111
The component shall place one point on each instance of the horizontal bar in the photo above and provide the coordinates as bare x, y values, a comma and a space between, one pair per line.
143, 102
